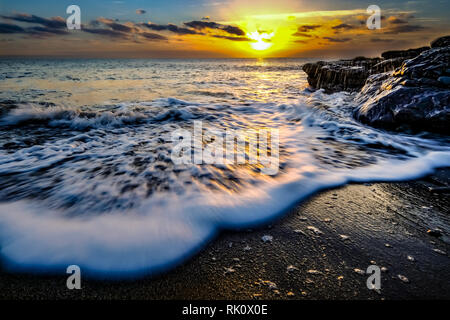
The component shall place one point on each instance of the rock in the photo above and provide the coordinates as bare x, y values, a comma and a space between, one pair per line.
291, 268
444, 80
314, 230
412, 97
435, 233
343, 75
405, 54
441, 42
403, 278
266, 238
440, 251
359, 271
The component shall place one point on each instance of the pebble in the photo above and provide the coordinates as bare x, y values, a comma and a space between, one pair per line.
290, 294
359, 271
266, 238
312, 271
314, 230
384, 269
387, 245
440, 251
271, 285
403, 278
229, 270
247, 248
299, 231
291, 268
411, 258
344, 237
435, 232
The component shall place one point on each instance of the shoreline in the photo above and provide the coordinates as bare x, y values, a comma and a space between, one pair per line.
313, 253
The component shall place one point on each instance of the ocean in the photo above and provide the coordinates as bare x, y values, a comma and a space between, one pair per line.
88, 174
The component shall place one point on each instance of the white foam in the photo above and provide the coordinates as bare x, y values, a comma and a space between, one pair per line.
165, 230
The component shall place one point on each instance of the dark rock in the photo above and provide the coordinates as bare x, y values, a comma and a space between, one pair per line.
348, 75
412, 97
404, 54
435, 233
441, 42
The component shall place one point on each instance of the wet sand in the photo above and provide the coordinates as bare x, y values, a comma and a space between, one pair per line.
311, 253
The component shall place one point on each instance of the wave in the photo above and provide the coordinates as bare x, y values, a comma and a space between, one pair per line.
165, 231
165, 213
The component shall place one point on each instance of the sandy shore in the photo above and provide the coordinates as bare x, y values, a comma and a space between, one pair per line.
313, 253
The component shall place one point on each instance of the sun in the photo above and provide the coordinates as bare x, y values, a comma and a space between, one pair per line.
262, 40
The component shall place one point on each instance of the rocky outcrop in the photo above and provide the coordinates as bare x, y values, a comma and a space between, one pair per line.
414, 97
441, 42
405, 54
343, 75
351, 75
404, 90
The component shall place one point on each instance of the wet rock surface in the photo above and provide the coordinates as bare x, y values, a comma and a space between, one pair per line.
414, 97
404, 90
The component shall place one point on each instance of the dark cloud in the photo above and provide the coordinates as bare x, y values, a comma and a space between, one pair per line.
115, 26
106, 32
343, 26
10, 28
404, 29
306, 28
200, 25
140, 11
337, 39
396, 20
302, 34
44, 31
169, 27
152, 36
381, 40
232, 38
55, 22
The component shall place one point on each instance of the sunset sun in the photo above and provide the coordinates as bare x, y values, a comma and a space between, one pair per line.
262, 40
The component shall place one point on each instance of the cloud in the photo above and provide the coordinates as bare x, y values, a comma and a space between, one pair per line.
10, 28
152, 36
106, 32
306, 28
140, 11
396, 20
169, 27
381, 40
343, 26
54, 22
115, 26
200, 25
302, 34
44, 31
232, 38
404, 29
337, 39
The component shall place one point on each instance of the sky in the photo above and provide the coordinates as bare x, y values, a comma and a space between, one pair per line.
217, 28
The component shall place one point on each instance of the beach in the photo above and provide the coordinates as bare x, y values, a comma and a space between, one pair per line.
311, 253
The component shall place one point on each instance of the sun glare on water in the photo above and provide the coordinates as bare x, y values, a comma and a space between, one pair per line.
262, 40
